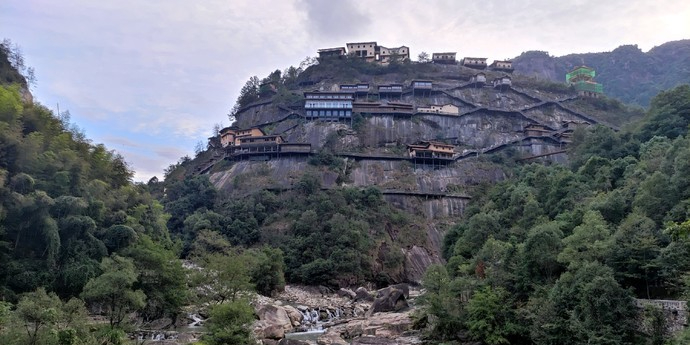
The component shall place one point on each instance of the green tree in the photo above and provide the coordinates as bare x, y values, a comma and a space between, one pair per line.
588, 242
223, 277
267, 270
160, 276
490, 317
113, 289
228, 324
38, 310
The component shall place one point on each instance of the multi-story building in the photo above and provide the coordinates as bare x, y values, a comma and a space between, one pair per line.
478, 63
227, 136
390, 91
331, 52
502, 65
328, 106
372, 52
447, 109
502, 83
366, 50
361, 90
431, 149
582, 80
386, 55
478, 79
444, 58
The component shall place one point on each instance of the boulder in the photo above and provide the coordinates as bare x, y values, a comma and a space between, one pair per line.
343, 292
389, 299
361, 294
331, 338
269, 342
274, 332
286, 341
275, 315
160, 323
368, 340
295, 316
186, 338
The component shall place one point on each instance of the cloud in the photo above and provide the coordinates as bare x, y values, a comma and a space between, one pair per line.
335, 20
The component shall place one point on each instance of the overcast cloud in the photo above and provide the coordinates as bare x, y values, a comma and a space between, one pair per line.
151, 78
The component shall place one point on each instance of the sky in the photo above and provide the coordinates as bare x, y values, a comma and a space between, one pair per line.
150, 79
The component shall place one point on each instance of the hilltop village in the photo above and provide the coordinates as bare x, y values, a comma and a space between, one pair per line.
452, 100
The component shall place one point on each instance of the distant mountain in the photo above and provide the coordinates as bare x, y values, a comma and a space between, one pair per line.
627, 73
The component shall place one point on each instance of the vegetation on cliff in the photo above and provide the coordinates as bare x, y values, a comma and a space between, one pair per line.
627, 73
556, 254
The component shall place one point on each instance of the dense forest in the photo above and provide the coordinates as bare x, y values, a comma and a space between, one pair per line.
557, 254
78, 238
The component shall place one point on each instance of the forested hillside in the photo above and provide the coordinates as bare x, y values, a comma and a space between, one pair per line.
556, 254
627, 73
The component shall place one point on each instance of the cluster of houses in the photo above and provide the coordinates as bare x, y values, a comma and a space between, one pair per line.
339, 105
254, 142
369, 51
372, 52
563, 134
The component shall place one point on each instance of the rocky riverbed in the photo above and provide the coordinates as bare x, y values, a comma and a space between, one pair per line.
307, 315
312, 315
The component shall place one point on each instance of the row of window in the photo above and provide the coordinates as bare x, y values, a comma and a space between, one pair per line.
329, 113
327, 104
336, 96
390, 88
422, 84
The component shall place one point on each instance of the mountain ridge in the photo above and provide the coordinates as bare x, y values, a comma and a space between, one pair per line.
627, 73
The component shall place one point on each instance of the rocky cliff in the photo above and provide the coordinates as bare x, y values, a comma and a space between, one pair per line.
371, 150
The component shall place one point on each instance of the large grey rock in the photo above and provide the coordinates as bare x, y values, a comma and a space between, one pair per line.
361, 294
275, 315
274, 332
391, 298
295, 316
347, 293
286, 341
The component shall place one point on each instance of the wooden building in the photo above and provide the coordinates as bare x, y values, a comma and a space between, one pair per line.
360, 90
227, 136
390, 91
431, 153
421, 84
565, 136
538, 130
249, 132
502, 65
477, 63
338, 52
447, 109
502, 83
328, 106
478, 79
386, 108
444, 58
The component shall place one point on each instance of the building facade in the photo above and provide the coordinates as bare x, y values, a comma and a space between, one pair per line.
365, 50
582, 80
444, 58
448, 109
502, 65
471, 62
328, 106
